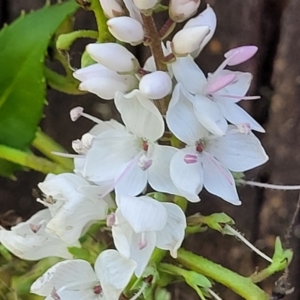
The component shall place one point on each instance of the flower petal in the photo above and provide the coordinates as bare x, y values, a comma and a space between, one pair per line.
209, 115
143, 213
236, 115
140, 115
238, 152
218, 180
70, 274
171, 236
159, 172
187, 72
181, 118
187, 177
114, 272
109, 152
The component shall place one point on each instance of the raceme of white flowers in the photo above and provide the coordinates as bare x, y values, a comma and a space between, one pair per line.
203, 114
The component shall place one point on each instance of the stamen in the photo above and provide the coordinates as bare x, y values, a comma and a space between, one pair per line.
77, 112
142, 242
246, 242
213, 294
97, 289
144, 162
190, 158
140, 292
270, 186
240, 97
110, 220
67, 154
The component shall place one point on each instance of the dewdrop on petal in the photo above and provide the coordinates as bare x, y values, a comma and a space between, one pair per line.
112, 8
180, 10
126, 29
156, 85
113, 56
188, 40
145, 4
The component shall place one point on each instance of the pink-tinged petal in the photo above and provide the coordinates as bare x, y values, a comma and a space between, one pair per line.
181, 118
219, 83
238, 152
109, 152
234, 91
114, 272
209, 115
218, 180
171, 236
70, 274
239, 55
187, 177
131, 180
236, 115
142, 255
143, 213
140, 115
187, 72
122, 234
159, 172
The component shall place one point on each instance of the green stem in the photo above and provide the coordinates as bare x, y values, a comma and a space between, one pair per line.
46, 145
62, 83
103, 33
27, 159
241, 285
64, 41
181, 201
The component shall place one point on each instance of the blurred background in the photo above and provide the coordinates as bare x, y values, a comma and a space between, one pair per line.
272, 25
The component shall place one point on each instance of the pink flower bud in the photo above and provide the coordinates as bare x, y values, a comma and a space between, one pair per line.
188, 40
112, 8
156, 85
113, 56
145, 4
126, 29
180, 10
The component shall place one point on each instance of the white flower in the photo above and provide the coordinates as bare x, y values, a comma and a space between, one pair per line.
104, 82
142, 223
113, 56
126, 29
130, 156
145, 4
75, 279
29, 240
207, 159
219, 93
73, 204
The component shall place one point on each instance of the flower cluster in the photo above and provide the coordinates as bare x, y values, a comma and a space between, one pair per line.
197, 142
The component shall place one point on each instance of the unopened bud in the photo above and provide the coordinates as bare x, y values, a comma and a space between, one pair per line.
206, 18
126, 29
188, 40
113, 56
145, 4
112, 8
180, 10
156, 85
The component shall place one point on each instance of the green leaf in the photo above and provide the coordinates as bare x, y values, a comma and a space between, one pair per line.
22, 85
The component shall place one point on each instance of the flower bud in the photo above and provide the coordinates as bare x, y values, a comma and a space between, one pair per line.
145, 4
180, 10
112, 8
126, 29
188, 40
103, 82
156, 85
113, 56
206, 18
